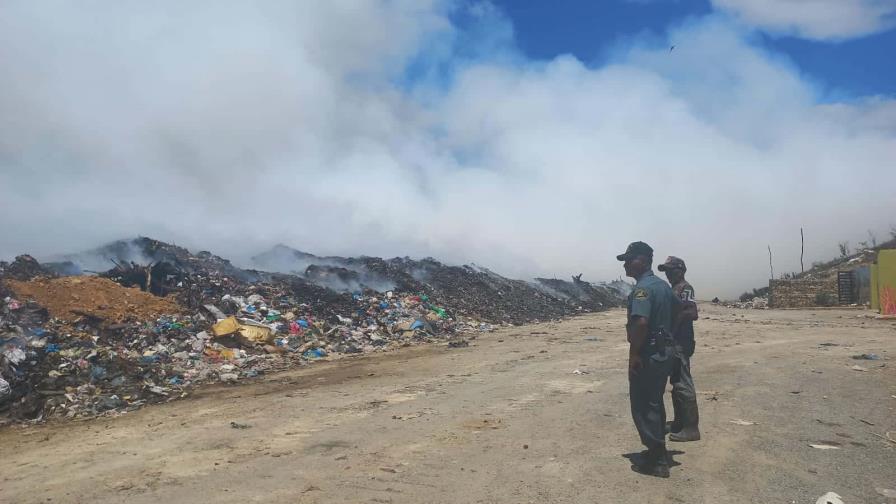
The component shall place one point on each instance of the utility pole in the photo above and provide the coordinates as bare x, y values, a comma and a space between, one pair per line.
771, 269
802, 250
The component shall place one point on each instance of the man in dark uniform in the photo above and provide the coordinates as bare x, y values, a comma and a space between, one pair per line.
651, 306
684, 396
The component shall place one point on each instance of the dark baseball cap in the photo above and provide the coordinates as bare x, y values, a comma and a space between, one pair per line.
635, 249
672, 262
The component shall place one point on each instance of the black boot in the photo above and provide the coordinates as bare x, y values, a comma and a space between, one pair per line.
676, 424
656, 463
690, 430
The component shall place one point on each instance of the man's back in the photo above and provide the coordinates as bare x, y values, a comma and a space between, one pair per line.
652, 298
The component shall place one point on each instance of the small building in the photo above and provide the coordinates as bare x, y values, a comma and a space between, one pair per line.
883, 282
866, 280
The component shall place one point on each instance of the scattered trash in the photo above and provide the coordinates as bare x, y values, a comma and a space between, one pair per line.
315, 353
866, 357
756, 303
236, 425
858, 368
738, 421
825, 446
591, 338
229, 377
580, 372
137, 334
5, 390
830, 498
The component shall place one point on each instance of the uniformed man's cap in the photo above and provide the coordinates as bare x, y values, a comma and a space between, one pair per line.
636, 249
672, 262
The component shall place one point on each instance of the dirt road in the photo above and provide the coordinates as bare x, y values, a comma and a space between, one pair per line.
505, 420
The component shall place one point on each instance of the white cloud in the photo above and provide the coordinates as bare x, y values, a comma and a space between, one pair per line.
815, 19
233, 127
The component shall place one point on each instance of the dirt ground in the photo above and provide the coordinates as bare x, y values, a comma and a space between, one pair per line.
504, 420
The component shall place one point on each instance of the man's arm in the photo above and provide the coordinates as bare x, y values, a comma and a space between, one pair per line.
637, 334
688, 311
637, 328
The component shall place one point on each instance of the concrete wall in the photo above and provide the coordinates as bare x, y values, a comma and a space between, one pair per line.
800, 293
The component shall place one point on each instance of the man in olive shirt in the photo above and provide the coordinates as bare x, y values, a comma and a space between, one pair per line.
651, 307
684, 396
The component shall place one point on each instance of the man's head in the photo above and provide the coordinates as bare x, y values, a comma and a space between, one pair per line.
638, 258
674, 268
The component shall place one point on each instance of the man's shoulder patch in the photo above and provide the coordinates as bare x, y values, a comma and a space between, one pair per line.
641, 293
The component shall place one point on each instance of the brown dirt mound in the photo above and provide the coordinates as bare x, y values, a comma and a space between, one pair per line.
71, 298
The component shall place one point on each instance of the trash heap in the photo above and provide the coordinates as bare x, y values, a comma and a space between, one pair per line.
470, 290
83, 346
164, 320
757, 303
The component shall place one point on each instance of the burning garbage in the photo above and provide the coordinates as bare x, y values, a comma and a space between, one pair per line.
81, 346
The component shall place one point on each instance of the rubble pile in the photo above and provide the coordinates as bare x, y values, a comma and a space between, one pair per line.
162, 320
469, 290
757, 303
24, 267
586, 295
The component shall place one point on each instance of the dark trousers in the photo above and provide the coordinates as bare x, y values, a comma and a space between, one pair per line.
682, 382
645, 391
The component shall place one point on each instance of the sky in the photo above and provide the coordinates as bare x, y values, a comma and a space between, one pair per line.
535, 138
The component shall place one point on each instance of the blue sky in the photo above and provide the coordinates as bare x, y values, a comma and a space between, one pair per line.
534, 137
864, 65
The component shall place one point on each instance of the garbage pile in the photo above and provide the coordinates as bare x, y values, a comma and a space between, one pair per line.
24, 267
587, 296
470, 290
757, 303
163, 320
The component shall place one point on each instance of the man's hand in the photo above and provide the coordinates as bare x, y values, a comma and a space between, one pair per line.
634, 365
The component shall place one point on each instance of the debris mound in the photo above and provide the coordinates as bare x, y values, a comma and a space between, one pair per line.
24, 267
469, 290
153, 320
98, 299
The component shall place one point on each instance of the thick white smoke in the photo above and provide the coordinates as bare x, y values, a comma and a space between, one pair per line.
371, 127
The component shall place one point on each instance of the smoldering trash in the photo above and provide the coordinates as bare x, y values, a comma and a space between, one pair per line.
77, 340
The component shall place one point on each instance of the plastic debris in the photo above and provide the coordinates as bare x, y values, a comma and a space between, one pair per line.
830, 498
315, 353
738, 421
824, 446
81, 346
5, 390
